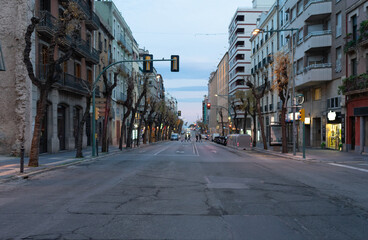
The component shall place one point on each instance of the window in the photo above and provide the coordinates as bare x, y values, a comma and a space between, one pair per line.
354, 66
317, 95
281, 18
354, 27
77, 70
299, 66
300, 35
300, 7
338, 60
293, 13
338, 24
366, 63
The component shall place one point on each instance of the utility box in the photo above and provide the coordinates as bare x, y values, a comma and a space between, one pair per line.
239, 141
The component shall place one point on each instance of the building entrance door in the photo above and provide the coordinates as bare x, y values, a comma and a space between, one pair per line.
61, 127
352, 139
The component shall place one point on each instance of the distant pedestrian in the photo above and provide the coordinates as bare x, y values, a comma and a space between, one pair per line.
186, 137
200, 138
196, 137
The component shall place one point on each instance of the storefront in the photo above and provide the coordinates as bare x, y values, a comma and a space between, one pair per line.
334, 130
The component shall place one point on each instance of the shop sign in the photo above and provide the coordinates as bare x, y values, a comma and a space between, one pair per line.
331, 116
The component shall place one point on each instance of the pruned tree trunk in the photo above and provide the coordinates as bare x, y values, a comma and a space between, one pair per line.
261, 123
79, 153
41, 108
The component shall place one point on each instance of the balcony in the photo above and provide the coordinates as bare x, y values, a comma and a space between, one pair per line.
84, 7
354, 84
86, 51
317, 10
314, 74
47, 25
317, 39
264, 85
73, 84
93, 22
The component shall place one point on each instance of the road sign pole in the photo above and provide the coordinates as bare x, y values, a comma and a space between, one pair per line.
303, 139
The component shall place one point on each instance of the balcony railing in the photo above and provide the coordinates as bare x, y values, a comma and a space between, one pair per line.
93, 21
319, 65
47, 24
317, 33
354, 84
90, 53
73, 84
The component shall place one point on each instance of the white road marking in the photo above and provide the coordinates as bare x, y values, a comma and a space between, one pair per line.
161, 150
350, 167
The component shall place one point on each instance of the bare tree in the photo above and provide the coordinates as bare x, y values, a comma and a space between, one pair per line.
109, 87
258, 93
68, 24
128, 103
282, 72
252, 110
134, 111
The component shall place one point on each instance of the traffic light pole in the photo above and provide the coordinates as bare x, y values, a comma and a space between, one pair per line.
94, 94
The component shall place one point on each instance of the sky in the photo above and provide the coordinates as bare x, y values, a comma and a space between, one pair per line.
196, 30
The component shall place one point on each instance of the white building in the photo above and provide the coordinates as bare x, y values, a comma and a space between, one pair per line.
240, 29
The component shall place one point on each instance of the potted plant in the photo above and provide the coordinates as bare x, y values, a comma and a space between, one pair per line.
323, 145
340, 147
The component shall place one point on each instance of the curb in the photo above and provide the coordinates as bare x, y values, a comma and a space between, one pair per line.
307, 159
46, 169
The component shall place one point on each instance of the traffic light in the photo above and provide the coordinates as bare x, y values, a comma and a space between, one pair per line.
208, 105
174, 63
97, 113
179, 113
148, 63
302, 114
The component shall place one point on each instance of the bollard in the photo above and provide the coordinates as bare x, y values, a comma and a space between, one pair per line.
97, 147
22, 159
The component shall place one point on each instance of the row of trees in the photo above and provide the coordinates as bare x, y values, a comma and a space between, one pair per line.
249, 102
158, 120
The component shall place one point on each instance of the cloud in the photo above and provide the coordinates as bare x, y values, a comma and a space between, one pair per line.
188, 88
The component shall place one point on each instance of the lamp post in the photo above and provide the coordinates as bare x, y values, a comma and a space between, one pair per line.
255, 33
2, 63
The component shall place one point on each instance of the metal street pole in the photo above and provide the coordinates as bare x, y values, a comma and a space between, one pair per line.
293, 94
94, 95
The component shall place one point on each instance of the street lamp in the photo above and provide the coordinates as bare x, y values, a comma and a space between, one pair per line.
255, 33
2, 63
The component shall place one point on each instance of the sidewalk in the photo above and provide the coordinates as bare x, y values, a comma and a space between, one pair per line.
320, 155
10, 166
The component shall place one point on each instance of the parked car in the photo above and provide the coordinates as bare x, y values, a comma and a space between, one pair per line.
214, 135
174, 137
223, 140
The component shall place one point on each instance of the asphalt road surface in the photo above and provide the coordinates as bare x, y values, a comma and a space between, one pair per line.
188, 190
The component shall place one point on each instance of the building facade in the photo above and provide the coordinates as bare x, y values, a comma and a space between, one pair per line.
356, 71
240, 29
67, 99
264, 46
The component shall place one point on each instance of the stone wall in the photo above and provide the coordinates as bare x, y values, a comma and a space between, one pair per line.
15, 97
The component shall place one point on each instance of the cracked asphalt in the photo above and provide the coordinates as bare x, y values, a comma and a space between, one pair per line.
188, 190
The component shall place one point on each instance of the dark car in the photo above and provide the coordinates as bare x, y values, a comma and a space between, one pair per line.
222, 140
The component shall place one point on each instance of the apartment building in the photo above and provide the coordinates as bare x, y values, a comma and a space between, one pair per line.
317, 71
212, 99
355, 23
240, 28
67, 99
121, 49
264, 46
